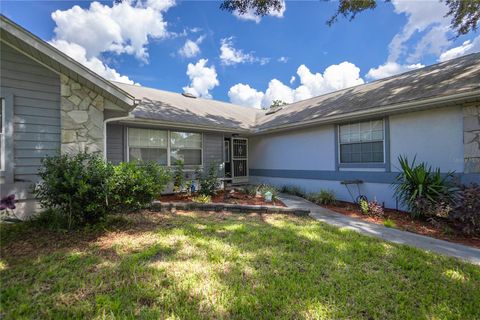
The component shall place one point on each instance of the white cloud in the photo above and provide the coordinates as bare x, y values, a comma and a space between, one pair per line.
283, 59
292, 79
251, 16
79, 53
202, 79
244, 95
123, 28
126, 27
467, 47
335, 77
191, 49
229, 55
389, 69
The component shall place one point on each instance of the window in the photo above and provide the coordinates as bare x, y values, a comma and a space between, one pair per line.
227, 151
2, 135
362, 142
186, 147
148, 145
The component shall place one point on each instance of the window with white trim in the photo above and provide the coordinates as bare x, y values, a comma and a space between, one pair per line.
362, 142
186, 147
148, 145
2, 134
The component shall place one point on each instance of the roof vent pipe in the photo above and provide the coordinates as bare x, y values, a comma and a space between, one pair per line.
188, 95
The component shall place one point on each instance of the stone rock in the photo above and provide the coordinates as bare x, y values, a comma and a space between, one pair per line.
65, 90
67, 105
472, 165
85, 103
75, 100
471, 110
94, 148
98, 103
69, 136
75, 86
63, 78
92, 94
471, 123
78, 116
96, 133
68, 123
96, 116
80, 93
472, 149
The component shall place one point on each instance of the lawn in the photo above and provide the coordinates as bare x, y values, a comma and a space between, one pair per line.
211, 265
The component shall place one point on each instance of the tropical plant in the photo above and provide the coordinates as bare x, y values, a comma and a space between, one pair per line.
467, 209
178, 176
363, 206
418, 186
202, 198
76, 186
250, 190
208, 182
134, 186
375, 209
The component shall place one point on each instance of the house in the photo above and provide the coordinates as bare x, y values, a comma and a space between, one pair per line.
51, 104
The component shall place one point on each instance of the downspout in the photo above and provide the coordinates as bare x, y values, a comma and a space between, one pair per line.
129, 117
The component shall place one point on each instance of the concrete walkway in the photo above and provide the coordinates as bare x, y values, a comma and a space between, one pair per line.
462, 252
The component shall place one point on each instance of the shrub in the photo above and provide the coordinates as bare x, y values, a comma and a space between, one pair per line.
250, 190
134, 186
324, 197
75, 186
419, 187
264, 188
467, 209
202, 199
375, 209
178, 176
293, 190
363, 206
208, 182
389, 223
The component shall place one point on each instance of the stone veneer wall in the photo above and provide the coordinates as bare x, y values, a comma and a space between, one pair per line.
81, 118
471, 137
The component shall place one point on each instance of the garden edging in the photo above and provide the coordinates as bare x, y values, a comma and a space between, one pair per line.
236, 208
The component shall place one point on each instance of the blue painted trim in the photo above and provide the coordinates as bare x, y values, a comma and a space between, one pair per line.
331, 175
366, 176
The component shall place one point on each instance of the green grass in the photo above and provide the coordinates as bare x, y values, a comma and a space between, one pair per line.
204, 266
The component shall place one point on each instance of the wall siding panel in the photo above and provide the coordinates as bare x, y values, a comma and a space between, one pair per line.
213, 151
36, 111
115, 143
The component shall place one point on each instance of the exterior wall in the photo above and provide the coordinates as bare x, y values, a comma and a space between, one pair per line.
306, 157
213, 152
471, 136
33, 95
82, 118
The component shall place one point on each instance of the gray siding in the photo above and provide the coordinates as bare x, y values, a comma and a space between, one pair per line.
115, 143
213, 151
36, 111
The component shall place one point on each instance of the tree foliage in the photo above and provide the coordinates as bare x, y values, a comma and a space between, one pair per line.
465, 14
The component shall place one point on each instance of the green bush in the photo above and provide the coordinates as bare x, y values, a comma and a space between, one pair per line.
293, 190
264, 188
75, 187
208, 182
389, 223
467, 209
364, 206
250, 190
202, 199
134, 186
419, 187
179, 182
324, 197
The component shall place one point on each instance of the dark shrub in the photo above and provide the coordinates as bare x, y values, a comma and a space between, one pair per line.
264, 188
179, 182
134, 186
375, 209
324, 197
420, 188
467, 209
208, 182
75, 186
293, 190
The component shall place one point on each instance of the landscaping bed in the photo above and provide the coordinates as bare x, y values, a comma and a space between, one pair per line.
198, 265
222, 196
437, 228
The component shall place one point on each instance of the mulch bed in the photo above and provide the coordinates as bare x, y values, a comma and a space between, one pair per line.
235, 197
438, 228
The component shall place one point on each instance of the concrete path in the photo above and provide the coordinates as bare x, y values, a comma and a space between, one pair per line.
462, 252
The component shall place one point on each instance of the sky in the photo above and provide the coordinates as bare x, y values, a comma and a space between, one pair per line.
291, 55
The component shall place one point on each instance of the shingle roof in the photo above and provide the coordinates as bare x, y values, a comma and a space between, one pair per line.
174, 107
443, 79
456, 76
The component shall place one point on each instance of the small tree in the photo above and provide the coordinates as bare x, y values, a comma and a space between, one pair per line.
178, 176
208, 182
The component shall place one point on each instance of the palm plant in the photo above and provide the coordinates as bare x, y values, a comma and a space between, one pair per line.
419, 187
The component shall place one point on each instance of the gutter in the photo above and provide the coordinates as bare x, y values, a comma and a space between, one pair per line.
396, 108
105, 122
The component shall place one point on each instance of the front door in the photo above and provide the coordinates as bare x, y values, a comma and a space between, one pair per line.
239, 160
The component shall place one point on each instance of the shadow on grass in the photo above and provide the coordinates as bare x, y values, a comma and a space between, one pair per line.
232, 266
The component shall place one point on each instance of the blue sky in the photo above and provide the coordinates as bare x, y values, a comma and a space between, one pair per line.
290, 55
